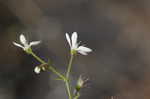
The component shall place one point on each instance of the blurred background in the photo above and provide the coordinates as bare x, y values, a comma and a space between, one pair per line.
116, 30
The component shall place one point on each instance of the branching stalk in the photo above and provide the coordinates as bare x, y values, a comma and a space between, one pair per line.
67, 82
69, 66
50, 67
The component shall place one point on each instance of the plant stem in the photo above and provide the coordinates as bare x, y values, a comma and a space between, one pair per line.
38, 58
50, 67
77, 96
69, 67
65, 79
68, 89
67, 82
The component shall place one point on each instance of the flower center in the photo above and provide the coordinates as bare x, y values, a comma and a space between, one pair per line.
73, 52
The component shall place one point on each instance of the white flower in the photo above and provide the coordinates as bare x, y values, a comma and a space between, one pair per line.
74, 45
37, 70
24, 43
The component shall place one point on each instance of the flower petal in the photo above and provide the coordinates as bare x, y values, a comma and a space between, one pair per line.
68, 39
82, 52
34, 43
84, 49
18, 45
74, 38
23, 39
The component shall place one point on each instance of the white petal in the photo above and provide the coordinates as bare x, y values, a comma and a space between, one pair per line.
85, 49
68, 39
82, 52
35, 43
18, 45
74, 38
37, 70
23, 39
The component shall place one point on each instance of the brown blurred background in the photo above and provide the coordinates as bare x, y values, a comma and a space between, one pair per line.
118, 31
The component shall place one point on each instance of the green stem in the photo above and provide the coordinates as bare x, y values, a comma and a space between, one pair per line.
38, 58
77, 96
50, 67
68, 89
57, 73
67, 82
66, 79
69, 67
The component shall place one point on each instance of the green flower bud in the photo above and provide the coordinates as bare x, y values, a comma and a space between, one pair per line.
80, 83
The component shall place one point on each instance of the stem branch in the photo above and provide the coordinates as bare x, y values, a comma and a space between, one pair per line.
69, 67
50, 67
67, 82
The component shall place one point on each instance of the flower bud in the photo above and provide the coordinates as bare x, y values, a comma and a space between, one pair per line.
37, 69
80, 83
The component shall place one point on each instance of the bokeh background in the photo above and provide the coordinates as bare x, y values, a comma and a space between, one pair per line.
118, 31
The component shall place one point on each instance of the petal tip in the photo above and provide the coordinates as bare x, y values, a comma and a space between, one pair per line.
23, 39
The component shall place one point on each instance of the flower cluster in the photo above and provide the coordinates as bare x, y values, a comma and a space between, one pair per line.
75, 48
74, 45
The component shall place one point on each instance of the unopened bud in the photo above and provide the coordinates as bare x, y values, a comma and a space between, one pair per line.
37, 69
80, 83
